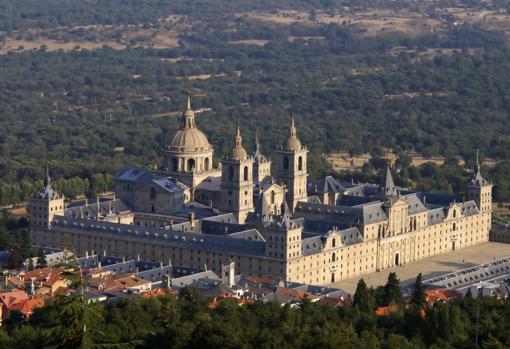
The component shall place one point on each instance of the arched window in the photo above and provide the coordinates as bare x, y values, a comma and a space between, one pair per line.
191, 165
300, 163
454, 227
333, 243
153, 193
231, 173
454, 213
245, 173
206, 164
272, 196
333, 257
285, 162
175, 164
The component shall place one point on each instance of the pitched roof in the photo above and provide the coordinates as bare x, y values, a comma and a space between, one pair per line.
385, 311
27, 306
12, 297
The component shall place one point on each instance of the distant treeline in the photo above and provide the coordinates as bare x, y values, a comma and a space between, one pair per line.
95, 111
14, 193
23, 14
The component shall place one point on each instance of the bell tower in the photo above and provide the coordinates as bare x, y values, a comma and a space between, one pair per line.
237, 181
291, 170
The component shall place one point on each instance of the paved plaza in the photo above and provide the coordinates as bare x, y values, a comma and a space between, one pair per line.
433, 266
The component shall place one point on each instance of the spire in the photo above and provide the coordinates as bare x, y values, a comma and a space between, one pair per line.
388, 185
47, 180
238, 152
292, 126
476, 177
257, 144
188, 116
477, 163
188, 105
239, 139
292, 143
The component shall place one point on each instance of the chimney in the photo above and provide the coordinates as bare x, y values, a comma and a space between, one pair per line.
205, 267
161, 264
99, 264
104, 253
123, 260
228, 274
97, 208
169, 262
86, 254
192, 219
32, 286
138, 257
110, 207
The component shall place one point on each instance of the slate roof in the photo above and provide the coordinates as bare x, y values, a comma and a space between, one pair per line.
327, 184
137, 175
106, 208
436, 216
415, 204
190, 240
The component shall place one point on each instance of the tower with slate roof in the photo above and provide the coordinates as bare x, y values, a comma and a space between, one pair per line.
45, 205
237, 181
388, 187
283, 235
291, 170
479, 189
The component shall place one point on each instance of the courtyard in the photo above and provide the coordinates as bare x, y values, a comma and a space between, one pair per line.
433, 266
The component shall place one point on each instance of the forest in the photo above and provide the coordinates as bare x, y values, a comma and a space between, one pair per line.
23, 14
188, 322
88, 113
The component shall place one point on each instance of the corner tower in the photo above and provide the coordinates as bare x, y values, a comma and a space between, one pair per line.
189, 155
45, 205
291, 170
237, 181
479, 189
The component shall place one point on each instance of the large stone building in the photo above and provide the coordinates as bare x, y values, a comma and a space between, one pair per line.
269, 222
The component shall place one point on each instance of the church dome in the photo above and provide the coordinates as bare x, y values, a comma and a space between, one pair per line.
292, 143
189, 137
238, 152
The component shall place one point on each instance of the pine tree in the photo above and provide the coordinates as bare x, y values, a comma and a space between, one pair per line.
418, 293
392, 293
41, 259
362, 298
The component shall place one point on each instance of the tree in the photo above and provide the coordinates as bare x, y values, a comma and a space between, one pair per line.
362, 298
418, 293
392, 293
41, 259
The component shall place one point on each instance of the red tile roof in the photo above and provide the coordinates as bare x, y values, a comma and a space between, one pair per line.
158, 292
27, 306
441, 295
384, 311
